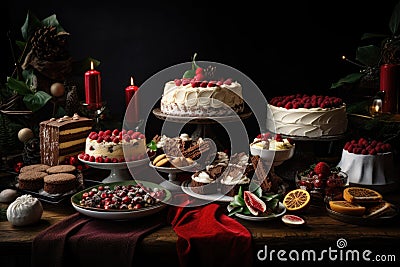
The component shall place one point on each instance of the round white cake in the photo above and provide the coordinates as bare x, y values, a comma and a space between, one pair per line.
189, 97
107, 145
307, 116
368, 169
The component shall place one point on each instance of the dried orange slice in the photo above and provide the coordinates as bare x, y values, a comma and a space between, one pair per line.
361, 194
296, 200
345, 207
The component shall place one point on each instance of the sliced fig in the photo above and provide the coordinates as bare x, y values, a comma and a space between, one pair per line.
293, 220
254, 203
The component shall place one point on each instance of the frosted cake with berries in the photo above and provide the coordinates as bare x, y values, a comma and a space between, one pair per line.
367, 162
198, 98
199, 94
307, 116
109, 146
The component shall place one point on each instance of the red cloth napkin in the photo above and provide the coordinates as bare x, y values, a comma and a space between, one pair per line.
208, 237
82, 241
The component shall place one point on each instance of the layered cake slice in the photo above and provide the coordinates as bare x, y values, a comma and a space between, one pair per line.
63, 137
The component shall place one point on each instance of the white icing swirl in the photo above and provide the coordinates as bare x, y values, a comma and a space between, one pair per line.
202, 177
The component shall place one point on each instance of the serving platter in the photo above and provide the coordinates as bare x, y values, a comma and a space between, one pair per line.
360, 220
210, 197
114, 214
281, 212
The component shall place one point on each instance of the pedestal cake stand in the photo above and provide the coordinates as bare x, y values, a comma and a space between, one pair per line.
119, 171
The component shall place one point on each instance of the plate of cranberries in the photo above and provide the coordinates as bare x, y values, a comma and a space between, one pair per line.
124, 200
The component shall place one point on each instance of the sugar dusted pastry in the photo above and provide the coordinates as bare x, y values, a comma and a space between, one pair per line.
25, 210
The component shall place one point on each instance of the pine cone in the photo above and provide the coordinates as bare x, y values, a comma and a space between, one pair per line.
72, 102
31, 154
49, 45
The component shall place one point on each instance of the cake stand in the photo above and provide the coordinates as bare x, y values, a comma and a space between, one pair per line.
173, 184
119, 171
202, 123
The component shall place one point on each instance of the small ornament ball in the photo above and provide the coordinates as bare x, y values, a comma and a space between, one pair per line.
57, 89
25, 134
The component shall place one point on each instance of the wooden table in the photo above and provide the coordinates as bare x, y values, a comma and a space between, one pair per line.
321, 232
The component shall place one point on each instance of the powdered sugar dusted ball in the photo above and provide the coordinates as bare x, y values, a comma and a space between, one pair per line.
25, 210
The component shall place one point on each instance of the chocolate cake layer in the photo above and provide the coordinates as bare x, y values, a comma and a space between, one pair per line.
60, 137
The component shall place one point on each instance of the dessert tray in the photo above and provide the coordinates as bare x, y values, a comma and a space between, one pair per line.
110, 214
359, 220
211, 197
53, 198
281, 212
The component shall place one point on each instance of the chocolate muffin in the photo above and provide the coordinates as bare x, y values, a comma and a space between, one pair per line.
34, 167
60, 183
61, 169
31, 180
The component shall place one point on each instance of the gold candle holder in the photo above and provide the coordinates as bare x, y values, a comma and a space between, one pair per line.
376, 107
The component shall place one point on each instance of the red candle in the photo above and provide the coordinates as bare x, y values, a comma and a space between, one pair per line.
130, 91
132, 114
389, 85
93, 87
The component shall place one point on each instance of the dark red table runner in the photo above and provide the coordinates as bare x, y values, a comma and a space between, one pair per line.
206, 237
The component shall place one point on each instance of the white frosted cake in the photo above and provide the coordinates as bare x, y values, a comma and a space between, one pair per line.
189, 97
109, 145
307, 116
367, 162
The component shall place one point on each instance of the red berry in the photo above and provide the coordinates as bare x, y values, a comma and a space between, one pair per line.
195, 83
199, 71
228, 81
278, 138
107, 132
130, 132
115, 132
203, 84
107, 160
73, 160
289, 105
178, 82
116, 140
322, 168
86, 157
92, 159
99, 160
100, 139
141, 136
318, 183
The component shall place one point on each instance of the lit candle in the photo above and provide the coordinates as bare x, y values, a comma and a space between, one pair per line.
130, 91
93, 87
132, 95
389, 85
376, 107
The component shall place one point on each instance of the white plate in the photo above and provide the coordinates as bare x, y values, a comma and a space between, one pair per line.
120, 215
115, 214
211, 197
282, 210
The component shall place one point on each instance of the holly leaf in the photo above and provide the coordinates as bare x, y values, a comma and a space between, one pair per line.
30, 79
30, 26
36, 101
258, 192
235, 210
189, 74
237, 201
351, 78
152, 145
52, 21
18, 86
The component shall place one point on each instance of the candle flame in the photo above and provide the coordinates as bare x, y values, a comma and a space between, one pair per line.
91, 65
132, 81
343, 57
377, 108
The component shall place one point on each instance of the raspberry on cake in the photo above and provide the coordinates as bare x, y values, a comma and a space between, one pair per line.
114, 146
307, 116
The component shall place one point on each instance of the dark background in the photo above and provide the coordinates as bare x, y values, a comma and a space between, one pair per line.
283, 46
